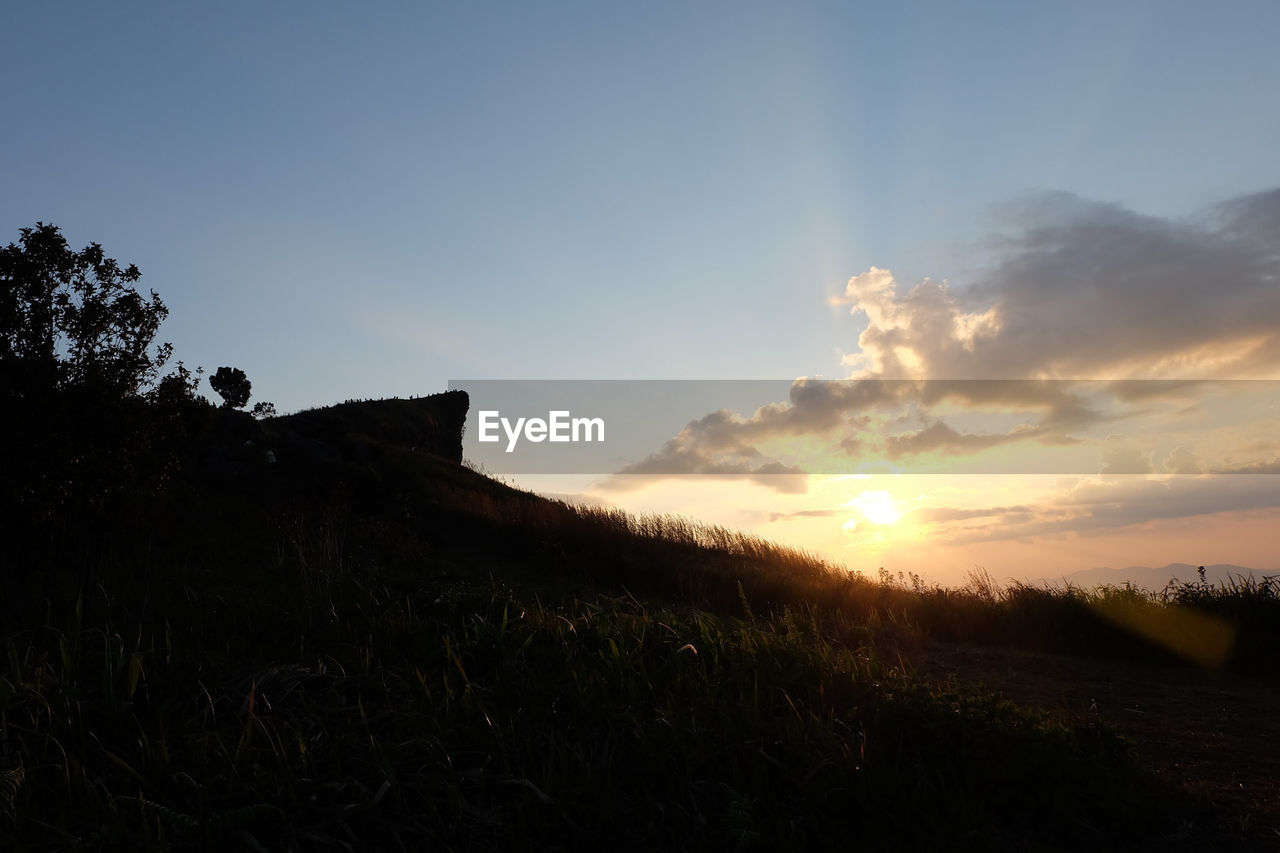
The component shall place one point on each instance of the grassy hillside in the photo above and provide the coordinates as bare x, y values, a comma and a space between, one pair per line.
366, 646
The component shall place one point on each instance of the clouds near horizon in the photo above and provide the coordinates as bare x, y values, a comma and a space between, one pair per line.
1093, 327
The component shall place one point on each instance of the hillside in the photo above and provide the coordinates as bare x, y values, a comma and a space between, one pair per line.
365, 644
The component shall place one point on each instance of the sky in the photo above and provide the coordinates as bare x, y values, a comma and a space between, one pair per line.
355, 201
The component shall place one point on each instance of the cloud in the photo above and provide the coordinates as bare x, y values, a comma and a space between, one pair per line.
806, 513
1272, 467
910, 336
1080, 290
942, 514
850, 426
706, 447
1090, 290
939, 436
1134, 390
1254, 218
1119, 457
1182, 461
1107, 504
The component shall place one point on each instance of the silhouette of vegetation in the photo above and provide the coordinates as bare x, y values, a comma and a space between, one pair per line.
367, 645
232, 385
393, 650
264, 410
90, 421
73, 321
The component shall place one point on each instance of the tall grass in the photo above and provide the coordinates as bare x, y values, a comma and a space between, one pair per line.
473, 715
1235, 624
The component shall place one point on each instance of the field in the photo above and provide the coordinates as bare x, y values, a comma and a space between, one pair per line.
385, 650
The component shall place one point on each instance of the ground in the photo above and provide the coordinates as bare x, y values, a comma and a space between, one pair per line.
1213, 733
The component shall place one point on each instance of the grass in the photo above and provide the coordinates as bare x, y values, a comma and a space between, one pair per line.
476, 715
1232, 625
376, 649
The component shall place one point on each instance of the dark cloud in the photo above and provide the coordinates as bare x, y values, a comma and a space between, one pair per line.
1089, 290
1254, 218
941, 437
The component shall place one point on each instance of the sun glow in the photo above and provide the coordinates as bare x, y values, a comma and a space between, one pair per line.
877, 507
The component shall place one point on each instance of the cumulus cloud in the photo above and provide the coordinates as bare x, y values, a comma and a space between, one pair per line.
910, 335
1086, 290
1080, 291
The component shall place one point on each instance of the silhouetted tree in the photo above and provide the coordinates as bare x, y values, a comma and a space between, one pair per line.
73, 321
177, 388
263, 410
233, 386
86, 421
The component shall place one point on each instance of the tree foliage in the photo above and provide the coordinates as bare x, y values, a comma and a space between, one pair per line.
233, 386
264, 410
74, 321
87, 421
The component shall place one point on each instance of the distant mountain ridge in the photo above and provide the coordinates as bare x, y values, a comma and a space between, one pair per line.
1155, 579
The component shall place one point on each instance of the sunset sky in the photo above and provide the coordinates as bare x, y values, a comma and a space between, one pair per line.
371, 200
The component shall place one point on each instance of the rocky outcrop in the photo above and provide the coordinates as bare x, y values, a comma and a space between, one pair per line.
432, 424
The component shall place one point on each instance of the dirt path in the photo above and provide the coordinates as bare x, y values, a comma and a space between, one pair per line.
1214, 734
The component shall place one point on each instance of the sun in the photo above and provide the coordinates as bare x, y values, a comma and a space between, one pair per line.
877, 507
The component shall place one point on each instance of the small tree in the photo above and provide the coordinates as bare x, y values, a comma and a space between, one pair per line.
73, 321
233, 386
86, 418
